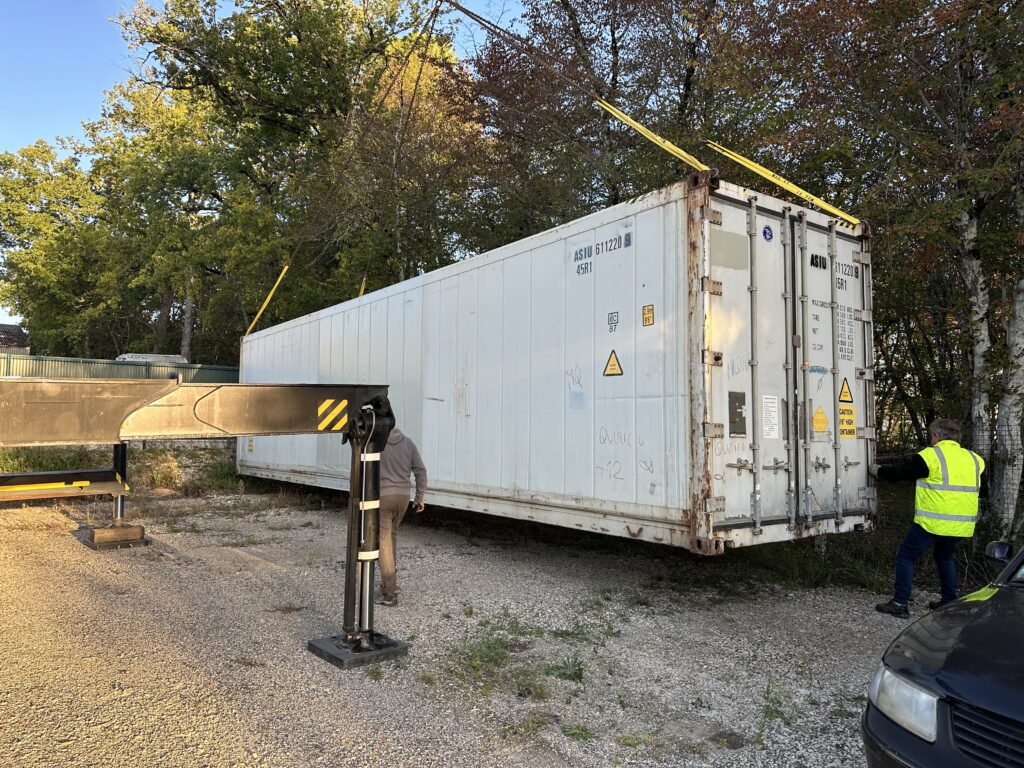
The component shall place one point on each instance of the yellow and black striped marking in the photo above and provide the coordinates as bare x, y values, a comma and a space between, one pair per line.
332, 416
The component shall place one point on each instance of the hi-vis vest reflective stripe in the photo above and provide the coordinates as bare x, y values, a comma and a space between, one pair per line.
947, 500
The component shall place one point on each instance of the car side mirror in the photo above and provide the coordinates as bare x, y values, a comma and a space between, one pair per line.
999, 551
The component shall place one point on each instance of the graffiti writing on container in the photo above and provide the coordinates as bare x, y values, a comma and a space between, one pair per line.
607, 436
612, 469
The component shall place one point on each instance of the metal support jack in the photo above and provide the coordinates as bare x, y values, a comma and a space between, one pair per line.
119, 534
367, 433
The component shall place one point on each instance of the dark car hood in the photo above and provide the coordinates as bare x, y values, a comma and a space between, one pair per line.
972, 650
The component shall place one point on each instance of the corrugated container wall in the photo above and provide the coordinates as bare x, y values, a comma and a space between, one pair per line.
692, 367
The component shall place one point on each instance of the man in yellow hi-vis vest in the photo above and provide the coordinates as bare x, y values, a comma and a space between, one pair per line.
949, 482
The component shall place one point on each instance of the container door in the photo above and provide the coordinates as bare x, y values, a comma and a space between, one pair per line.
833, 391
750, 382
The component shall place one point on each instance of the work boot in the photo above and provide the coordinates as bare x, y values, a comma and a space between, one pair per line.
939, 603
899, 610
383, 599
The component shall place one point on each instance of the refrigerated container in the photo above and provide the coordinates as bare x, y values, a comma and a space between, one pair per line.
692, 367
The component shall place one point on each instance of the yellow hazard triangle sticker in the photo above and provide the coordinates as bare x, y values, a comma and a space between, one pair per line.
845, 395
612, 367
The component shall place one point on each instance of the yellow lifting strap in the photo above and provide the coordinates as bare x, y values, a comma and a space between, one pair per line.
266, 300
785, 184
654, 138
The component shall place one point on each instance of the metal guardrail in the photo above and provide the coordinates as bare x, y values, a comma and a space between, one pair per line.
40, 367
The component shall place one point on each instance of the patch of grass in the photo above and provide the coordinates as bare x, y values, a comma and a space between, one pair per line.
634, 740
428, 678
467, 610
483, 656
248, 541
579, 732
609, 630
13, 460
570, 668
375, 673
577, 633
511, 625
165, 472
528, 727
172, 528
527, 685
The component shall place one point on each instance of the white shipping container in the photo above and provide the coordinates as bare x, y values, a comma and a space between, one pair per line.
692, 367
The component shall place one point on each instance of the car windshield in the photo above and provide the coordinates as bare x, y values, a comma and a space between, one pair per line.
1018, 577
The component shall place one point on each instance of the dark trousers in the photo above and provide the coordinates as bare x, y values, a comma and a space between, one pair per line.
914, 544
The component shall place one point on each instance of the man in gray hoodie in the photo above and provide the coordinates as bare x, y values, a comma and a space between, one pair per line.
398, 461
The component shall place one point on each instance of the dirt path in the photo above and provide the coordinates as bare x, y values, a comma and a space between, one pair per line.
561, 652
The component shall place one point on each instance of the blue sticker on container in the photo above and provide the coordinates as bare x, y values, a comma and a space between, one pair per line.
767, 233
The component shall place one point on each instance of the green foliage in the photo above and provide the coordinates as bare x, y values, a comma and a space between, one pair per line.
579, 732
570, 668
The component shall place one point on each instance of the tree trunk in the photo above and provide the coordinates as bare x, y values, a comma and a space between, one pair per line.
162, 322
981, 342
1009, 446
1008, 453
186, 324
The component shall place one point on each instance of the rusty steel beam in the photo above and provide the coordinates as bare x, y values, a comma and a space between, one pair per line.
108, 411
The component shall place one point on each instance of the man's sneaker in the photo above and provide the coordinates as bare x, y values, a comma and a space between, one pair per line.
386, 600
938, 604
899, 610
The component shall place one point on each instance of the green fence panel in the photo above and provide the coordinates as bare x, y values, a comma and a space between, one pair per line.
38, 367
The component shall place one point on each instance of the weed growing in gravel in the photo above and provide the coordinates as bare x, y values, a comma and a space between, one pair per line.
528, 727
609, 630
579, 732
166, 472
577, 633
428, 678
375, 673
528, 685
511, 625
569, 668
776, 706
467, 610
483, 656
634, 740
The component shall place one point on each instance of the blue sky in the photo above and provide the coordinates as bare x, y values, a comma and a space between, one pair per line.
59, 56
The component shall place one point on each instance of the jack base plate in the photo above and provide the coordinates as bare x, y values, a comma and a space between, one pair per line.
335, 650
115, 537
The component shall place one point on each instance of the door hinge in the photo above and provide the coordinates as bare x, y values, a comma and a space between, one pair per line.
710, 357
713, 216
714, 287
713, 430
862, 257
865, 433
863, 315
714, 504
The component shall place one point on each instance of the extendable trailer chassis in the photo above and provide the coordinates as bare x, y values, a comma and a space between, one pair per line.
50, 412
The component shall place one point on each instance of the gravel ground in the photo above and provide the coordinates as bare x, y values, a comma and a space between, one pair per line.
528, 647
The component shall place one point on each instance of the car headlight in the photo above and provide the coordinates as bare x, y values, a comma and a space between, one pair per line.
908, 705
